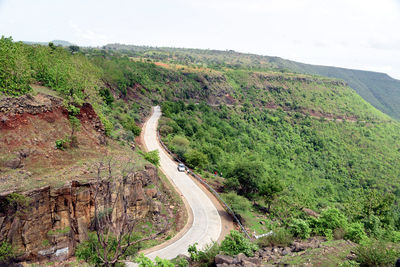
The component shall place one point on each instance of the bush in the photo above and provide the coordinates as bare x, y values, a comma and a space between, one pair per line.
196, 159
329, 220
130, 125
143, 261
355, 232
236, 243
249, 173
180, 146
349, 264
239, 204
376, 253
180, 262
108, 126
394, 236
299, 228
62, 143
88, 250
339, 233
165, 130
15, 72
206, 256
280, 238
7, 252
152, 157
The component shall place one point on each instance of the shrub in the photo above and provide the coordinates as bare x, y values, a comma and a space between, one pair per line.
143, 261
373, 226
376, 253
181, 141
355, 232
152, 157
329, 220
349, 264
131, 126
249, 173
108, 126
193, 252
206, 256
107, 96
87, 250
239, 204
236, 243
196, 159
15, 72
61, 143
394, 236
136, 130
339, 233
165, 130
7, 252
90, 249
180, 146
280, 238
299, 228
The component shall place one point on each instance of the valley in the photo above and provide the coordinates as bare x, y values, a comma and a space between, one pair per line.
311, 158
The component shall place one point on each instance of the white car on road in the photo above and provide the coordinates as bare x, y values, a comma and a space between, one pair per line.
181, 167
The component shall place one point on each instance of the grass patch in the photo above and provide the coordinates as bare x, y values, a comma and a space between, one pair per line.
330, 254
63, 231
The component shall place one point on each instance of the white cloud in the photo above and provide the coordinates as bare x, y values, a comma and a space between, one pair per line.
346, 33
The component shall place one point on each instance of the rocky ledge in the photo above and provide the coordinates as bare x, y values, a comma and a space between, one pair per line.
47, 223
271, 256
32, 104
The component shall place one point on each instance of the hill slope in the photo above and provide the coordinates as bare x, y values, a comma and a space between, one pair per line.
379, 89
287, 142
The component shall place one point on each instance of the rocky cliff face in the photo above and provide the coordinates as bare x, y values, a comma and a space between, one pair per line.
48, 222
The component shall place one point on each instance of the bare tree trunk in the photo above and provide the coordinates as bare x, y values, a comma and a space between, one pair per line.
112, 221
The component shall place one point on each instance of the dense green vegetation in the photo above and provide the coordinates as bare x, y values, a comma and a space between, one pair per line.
73, 76
290, 161
7, 253
282, 141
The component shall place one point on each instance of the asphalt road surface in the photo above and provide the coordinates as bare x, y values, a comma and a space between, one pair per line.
206, 225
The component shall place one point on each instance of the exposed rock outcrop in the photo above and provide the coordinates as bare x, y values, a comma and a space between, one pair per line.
275, 256
39, 103
48, 222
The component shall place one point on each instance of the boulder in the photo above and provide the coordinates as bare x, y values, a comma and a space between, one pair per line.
311, 212
221, 259
14, 163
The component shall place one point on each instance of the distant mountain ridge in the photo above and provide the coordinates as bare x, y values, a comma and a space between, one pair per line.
55, 42
379, 89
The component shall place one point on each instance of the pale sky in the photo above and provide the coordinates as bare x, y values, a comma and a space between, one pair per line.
361, 34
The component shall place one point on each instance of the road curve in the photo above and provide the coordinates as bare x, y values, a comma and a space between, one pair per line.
206, 225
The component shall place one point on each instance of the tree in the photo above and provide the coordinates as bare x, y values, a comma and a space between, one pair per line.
248, 175
180, 145
269, 189
74, 49
52, 46
15, 72
113, 222
196, 159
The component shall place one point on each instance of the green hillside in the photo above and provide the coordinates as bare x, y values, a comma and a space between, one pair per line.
382, 91
379, 89
282, 141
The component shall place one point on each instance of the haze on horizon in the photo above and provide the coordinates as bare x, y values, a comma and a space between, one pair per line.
360, 34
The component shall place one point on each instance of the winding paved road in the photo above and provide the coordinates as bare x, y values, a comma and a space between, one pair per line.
206, 226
